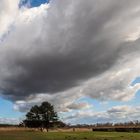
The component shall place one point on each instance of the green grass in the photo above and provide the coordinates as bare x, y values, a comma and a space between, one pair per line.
26, 135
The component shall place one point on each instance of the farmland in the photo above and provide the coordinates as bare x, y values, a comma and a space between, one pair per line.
32, 135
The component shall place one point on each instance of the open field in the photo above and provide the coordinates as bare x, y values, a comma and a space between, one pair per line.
30, 135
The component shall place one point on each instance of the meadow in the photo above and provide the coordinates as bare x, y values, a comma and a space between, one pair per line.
30, 135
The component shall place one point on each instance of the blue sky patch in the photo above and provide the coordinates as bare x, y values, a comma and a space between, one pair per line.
6, 110
32, 3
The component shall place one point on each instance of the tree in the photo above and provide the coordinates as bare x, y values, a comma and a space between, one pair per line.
41, 116
34, 113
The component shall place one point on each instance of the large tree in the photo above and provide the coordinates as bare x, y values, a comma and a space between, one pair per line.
41, 116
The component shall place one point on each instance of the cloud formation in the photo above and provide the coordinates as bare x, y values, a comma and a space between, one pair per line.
77, 106
115, 114
69, 49
8, 12
9, 121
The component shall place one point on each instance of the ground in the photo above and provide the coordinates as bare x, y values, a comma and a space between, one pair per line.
28, 135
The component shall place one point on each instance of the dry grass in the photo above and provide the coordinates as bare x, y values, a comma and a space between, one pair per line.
15, 129
50, 130
71, 130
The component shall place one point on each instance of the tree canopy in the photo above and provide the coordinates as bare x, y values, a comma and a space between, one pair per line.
41, 116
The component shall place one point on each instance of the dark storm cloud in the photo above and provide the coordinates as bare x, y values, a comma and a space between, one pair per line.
56, 73
75, 41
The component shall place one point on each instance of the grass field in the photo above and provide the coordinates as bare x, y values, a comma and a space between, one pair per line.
27, 135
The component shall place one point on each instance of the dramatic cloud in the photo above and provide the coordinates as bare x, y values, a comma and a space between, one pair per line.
69, 49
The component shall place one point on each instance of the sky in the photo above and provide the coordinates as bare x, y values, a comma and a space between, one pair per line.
81, 56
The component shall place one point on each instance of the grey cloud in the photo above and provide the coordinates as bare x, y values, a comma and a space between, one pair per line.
77, 106
70, 43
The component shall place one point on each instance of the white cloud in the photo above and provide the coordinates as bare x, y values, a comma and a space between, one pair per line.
9, 121
133, 36
115, 114
8, 13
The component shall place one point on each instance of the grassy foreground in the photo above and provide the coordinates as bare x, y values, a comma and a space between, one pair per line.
26, 135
